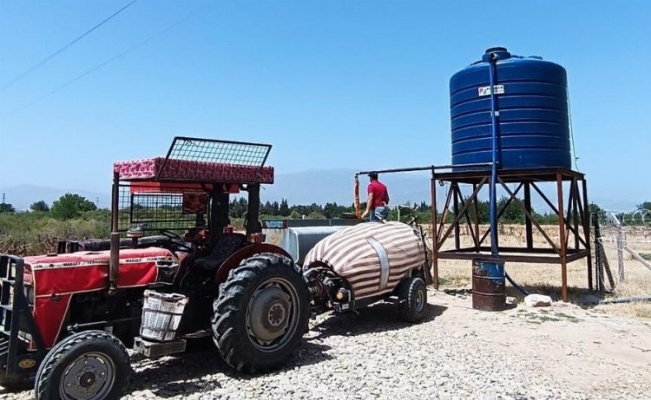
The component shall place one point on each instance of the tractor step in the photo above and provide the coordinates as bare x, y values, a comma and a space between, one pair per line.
158, 349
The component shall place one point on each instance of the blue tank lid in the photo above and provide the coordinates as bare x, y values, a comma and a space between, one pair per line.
496, 53
502, 54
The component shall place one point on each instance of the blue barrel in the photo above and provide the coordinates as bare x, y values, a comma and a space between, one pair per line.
532, 113
488, 284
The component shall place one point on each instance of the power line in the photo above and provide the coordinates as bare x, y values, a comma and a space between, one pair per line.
108, 61
62, 49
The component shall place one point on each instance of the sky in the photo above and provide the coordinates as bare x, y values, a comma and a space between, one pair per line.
330, 84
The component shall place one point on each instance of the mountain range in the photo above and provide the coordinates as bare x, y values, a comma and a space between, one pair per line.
311, 186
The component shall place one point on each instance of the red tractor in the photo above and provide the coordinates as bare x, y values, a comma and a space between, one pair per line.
67, 318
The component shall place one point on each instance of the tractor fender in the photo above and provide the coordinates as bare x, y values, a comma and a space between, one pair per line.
236, 258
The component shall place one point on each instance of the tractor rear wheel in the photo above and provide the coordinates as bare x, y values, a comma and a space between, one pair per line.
412, 296
261, 313
89, 365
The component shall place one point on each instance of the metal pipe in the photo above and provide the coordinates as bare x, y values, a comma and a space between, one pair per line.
114, 260
429, 168
435, 236
435, 267
76, 327
493, 181
626, 300
561, 237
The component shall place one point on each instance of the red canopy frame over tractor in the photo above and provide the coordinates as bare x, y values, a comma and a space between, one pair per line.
194, 179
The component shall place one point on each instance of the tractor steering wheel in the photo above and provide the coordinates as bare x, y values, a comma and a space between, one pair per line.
175, 239
169, 234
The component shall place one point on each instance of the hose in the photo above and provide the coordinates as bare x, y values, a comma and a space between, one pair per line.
358, 213
515, 285
621, 300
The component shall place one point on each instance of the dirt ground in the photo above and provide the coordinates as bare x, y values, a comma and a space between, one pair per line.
589, 350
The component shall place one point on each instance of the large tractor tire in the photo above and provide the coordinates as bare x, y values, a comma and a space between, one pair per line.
90, 365
261, 313
412, 299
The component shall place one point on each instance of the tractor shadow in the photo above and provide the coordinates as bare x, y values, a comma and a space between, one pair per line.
201, 369
381, 317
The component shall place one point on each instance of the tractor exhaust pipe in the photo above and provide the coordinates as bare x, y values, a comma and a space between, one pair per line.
114, 260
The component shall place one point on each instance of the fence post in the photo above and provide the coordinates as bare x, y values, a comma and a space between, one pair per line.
599, 271
621, 241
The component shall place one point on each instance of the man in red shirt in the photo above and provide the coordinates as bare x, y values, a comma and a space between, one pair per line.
377, 206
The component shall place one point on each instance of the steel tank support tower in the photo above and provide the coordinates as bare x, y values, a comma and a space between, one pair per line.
512, 113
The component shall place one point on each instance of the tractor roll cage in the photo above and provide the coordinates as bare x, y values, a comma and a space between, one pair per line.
153, 191
212, 167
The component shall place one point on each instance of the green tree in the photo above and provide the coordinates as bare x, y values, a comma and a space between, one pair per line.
71, 206
646, 205
40, 206
238, 207
266, 209
7, 208
275, 208
595, 209
316, 215
284, 208
483, 211
513, 212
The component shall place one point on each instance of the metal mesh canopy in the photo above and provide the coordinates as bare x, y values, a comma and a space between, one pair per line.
202, 160
220, 151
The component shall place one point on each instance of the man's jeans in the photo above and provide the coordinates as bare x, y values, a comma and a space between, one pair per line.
380, 213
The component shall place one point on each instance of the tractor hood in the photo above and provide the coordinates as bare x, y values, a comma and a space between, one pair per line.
86, 271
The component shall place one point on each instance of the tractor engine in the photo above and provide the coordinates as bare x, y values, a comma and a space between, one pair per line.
119, 313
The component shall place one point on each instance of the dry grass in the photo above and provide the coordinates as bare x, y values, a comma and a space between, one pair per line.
546, 278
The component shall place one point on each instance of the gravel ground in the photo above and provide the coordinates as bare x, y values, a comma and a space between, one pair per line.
562, 352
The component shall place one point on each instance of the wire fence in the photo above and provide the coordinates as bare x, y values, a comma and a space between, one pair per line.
627, 233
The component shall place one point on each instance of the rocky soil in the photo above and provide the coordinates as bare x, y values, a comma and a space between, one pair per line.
559, 352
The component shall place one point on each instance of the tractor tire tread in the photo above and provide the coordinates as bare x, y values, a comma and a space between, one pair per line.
407, 292
228, 321
45, 370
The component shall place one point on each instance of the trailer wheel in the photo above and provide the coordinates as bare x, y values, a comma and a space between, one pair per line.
87, 365
261, 313
412, 296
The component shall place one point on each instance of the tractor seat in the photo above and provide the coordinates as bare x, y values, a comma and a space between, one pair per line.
227, 244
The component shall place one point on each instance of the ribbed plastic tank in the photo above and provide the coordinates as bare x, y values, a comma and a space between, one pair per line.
532, 113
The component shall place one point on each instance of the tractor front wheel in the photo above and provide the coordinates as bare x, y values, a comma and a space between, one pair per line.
87, 365
261, 313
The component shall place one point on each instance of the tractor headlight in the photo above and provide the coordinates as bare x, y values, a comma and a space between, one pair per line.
29, 294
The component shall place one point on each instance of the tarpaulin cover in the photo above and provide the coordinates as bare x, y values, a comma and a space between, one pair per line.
200, 171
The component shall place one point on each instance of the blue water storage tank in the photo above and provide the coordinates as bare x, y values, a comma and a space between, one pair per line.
532, 113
